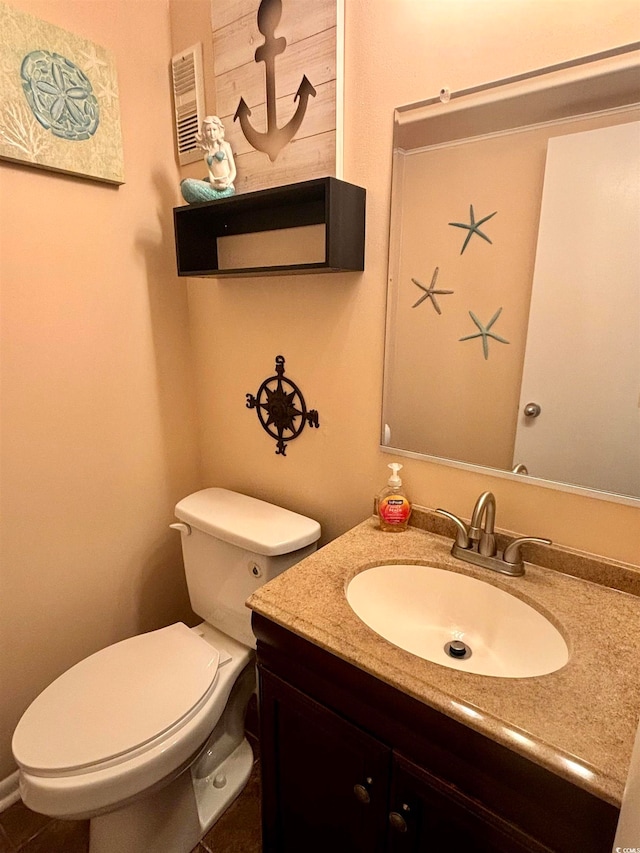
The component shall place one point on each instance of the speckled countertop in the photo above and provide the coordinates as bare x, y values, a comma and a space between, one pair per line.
579, 722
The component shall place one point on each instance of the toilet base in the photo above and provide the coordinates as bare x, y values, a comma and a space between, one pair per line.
175, 818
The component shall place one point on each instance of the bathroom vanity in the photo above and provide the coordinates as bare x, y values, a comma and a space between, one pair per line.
366, 747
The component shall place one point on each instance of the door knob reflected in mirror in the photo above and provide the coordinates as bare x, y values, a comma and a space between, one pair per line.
532, 410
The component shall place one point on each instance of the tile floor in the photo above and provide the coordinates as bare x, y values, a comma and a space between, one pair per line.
237, 831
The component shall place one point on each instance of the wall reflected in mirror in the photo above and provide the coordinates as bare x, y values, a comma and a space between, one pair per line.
513, 318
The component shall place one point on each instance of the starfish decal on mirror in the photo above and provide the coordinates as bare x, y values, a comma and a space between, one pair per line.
430, 292
484, 332
473, 227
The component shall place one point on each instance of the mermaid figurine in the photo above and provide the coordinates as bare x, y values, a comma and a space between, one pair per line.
220, 163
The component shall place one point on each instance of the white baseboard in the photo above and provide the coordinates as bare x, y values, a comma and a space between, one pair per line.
9, 793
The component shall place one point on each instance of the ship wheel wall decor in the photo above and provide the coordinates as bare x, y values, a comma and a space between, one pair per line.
281, 408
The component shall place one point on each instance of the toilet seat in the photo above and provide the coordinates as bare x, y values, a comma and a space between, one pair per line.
96, 789
117, 703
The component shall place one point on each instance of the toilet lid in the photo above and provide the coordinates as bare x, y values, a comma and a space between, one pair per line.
117, 700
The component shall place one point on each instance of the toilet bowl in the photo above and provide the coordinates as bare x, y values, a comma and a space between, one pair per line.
146, 737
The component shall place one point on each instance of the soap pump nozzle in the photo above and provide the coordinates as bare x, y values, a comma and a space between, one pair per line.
394, 480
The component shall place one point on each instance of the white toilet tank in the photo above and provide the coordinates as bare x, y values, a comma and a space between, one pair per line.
231, 545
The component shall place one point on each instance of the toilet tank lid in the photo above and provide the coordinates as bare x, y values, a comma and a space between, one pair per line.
246, 522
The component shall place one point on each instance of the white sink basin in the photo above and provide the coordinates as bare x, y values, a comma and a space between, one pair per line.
422, 608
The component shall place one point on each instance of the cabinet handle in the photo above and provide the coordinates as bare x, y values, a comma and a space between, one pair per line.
362, 791
362, 795
397, 821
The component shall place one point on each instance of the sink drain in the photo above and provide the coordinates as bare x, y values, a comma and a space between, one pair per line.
457, 649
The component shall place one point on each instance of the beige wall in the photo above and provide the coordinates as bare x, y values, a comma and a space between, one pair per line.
330, 328
448, 400
190, 23
98, 419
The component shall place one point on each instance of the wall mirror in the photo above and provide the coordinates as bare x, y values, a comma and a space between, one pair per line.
513, 310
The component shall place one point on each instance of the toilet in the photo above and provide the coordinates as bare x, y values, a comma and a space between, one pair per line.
146, 737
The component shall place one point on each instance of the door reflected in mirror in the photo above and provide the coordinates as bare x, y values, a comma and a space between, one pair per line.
513, 319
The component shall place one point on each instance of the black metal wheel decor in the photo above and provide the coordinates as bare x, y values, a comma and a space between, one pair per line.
281, 408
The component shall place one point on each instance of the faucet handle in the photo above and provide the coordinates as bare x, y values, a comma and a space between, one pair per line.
462, 536
512, 554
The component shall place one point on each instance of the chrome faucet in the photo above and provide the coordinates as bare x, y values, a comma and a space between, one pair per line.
477, 543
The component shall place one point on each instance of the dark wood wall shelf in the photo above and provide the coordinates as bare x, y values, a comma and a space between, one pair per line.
337, 205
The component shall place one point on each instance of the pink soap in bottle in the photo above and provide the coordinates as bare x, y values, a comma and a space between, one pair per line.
394, 508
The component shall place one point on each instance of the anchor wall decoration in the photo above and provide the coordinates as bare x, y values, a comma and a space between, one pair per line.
274, 139
271, 84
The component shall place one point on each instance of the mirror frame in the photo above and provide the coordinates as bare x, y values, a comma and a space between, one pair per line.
623, 61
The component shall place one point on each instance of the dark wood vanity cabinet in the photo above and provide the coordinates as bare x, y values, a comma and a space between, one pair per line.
427, 814
350, 765
329, 786
326, 786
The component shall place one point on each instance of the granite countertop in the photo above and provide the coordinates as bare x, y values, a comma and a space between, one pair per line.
579, 722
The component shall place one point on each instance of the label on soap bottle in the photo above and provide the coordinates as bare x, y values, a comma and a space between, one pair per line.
394, 509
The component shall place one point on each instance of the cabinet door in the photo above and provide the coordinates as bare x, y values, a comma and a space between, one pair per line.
429, 816
325, 782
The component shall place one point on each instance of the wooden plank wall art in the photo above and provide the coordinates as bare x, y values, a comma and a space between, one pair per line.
278, 72
59, 108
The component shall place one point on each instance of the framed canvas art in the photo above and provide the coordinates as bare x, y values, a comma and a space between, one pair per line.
59, 106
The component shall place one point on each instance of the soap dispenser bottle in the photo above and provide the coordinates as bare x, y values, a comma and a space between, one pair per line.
394, 508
